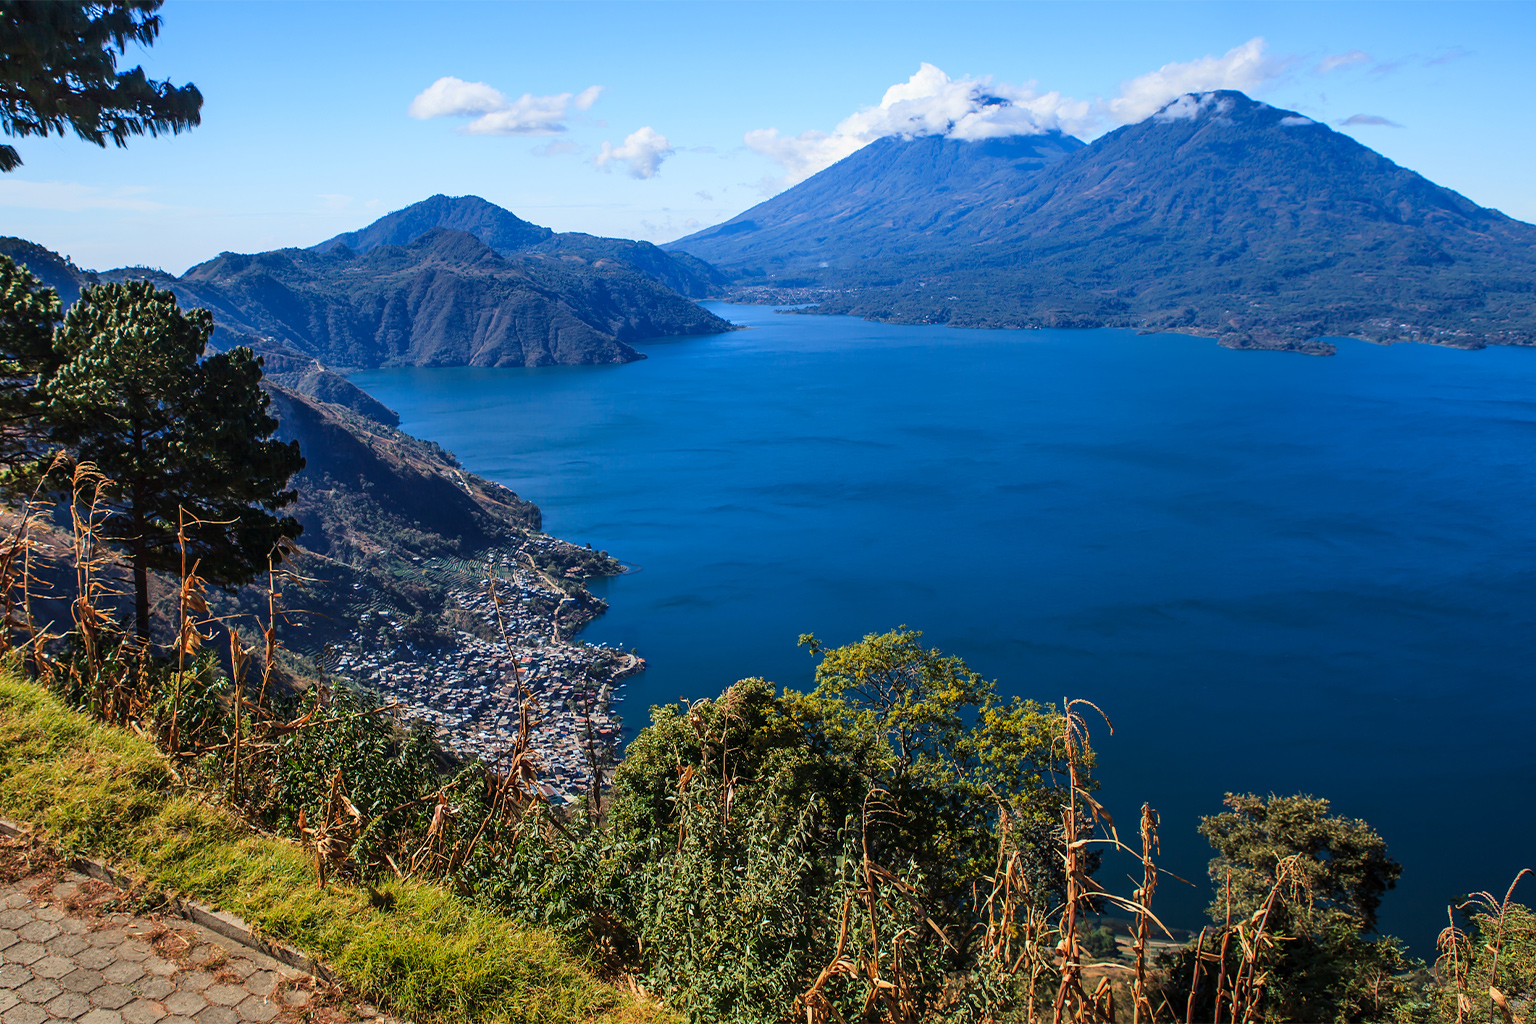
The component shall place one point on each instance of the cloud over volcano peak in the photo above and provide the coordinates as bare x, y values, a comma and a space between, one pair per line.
933, 103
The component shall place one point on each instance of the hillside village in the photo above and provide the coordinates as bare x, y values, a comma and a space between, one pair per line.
468, 689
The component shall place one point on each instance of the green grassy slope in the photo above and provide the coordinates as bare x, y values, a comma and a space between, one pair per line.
421, 951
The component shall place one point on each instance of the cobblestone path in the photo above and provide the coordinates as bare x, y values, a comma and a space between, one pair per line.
68, 955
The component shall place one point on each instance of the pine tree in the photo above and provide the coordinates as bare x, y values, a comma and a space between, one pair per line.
60, 71
173, 431
28, 313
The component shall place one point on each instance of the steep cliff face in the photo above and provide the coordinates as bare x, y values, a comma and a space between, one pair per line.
368, 488
394, 526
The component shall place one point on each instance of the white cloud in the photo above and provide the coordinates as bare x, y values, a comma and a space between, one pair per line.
1189, 106
454, 97
1245, 68
529, 115
928, 103
642, 151
802, 155
1334, 61
493, 113
72, 197
932, 103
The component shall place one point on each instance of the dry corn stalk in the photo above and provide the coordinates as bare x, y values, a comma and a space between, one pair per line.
1497, 909
1082, 819
818, 1008
1455, 946
17, 579
1246, 990
93, 626
1141, 1004
192, 616
333, 837
1017, 933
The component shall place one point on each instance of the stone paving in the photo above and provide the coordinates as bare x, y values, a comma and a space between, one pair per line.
68, 955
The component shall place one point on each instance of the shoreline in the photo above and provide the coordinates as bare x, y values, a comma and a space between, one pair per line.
466, 690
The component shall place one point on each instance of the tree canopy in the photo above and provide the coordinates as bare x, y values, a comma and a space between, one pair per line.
29, 312
1344, 872
60, 72
738, 826
940, 739
1324, 876
174, 432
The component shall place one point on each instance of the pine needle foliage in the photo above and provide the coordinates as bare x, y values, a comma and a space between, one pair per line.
179, 436
60, 72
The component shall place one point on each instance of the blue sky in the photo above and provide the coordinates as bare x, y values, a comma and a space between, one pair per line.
308, 128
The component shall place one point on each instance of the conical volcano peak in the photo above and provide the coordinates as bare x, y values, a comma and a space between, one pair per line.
1228, 105
1219, 215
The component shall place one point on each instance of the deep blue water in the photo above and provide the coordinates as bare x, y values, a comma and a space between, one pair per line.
1275, 573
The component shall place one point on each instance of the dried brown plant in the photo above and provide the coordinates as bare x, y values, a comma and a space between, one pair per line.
1084, 818
1141, 1003
19, 629
1498, 911
333, 836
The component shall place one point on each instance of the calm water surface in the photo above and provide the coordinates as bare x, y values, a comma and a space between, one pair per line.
1275, 573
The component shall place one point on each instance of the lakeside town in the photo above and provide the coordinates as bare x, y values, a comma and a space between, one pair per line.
467, 689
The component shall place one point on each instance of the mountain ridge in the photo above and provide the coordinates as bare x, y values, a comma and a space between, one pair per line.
508, 234
1218, 216
860, 188
498, 228
445, 298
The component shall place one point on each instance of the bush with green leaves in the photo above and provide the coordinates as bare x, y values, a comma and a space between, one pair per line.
755, 840
550, 867
1100, 943
1323, 877
388, 773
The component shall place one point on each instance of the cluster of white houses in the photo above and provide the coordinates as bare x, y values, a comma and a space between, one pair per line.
469, 690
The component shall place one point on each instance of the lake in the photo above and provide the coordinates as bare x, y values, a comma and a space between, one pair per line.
1275, 573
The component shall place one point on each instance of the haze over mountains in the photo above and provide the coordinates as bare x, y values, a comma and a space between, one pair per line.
1218, 216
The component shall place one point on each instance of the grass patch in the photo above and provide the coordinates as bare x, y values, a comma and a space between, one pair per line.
92, 789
